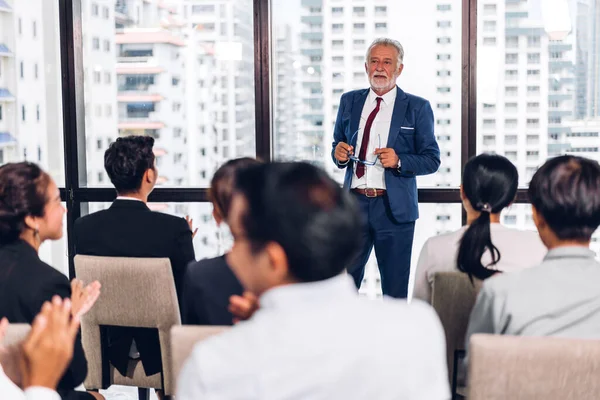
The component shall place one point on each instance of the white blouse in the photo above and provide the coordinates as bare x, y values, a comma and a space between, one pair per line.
518, 249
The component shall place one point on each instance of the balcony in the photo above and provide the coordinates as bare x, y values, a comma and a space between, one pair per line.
6, 96
6, 139
4, 7
4, 51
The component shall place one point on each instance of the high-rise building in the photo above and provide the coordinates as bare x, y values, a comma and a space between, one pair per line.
30, 118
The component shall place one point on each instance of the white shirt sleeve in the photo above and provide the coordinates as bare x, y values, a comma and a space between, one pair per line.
189, 384
40, 393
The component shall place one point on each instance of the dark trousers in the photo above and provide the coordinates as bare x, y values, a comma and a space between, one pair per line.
393, 245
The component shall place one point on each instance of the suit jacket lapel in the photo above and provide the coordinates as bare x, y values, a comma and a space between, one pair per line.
357, 107
400, 106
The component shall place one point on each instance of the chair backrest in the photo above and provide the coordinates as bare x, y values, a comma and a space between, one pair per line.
183, 339
15, 333
531, 368
453, 298
136, 292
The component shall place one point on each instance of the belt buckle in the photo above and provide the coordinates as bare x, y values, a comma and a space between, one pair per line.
371, 192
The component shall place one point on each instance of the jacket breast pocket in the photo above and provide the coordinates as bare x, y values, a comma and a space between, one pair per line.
406, 140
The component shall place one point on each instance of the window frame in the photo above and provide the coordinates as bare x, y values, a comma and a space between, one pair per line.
74, 192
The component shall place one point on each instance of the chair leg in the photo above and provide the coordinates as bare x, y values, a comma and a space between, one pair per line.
144, 394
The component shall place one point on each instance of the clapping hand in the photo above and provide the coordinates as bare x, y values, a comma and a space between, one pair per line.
243, 307
190, 222
83, 298
48, 349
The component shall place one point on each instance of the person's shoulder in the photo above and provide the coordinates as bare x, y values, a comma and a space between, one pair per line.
207, 268
166, 221
445, 239
350, 94
90, 219
220, 352
415, 100
516, 281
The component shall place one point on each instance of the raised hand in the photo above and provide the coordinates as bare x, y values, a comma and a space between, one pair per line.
83, 298
48, 349
243, 307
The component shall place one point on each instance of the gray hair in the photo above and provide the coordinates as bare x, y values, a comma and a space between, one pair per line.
387, 42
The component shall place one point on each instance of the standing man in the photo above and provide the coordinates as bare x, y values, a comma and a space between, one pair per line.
384, 138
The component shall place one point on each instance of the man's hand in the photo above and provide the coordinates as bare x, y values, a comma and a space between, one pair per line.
243, 307
190, 222
343, 151
48, 349
83, 298
387, 157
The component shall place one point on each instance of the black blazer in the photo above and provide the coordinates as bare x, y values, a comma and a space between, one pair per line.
207, 286
130, 229
26, 283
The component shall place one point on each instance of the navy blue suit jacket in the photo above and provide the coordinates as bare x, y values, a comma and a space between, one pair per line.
411, 136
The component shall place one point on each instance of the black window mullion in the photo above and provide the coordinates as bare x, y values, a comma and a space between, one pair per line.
72, 109
262, 78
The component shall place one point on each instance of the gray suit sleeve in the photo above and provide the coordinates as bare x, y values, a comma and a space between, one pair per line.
482, 318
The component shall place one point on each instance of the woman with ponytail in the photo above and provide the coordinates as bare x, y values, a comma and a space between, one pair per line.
483, 247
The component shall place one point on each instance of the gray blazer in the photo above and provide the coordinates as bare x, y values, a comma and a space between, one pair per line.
560, 297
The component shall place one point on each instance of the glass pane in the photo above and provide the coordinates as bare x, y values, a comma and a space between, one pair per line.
182, 73
55, 252
538, 81
435, 219
210, 241
319, 53
30, 85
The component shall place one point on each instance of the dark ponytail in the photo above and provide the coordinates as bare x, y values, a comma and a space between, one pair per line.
23, 189
489, 184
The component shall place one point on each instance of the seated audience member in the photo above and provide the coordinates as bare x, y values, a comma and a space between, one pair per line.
560, 297
31, 213
209, 283
295, 231
484, 246
41, 359
129, 229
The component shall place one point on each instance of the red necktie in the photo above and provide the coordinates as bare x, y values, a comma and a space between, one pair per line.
360, 168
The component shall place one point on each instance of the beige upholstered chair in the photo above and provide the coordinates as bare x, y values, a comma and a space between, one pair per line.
183, 339
136, 292
453, 298
15, 333
533, 368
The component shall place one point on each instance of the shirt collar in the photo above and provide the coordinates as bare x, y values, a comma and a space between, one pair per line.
128, 198
570, 252
338, 287
388, 98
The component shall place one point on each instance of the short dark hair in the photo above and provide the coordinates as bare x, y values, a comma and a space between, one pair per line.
222, 182
126, 160
23, 192
302, 209
490, 184
566, 192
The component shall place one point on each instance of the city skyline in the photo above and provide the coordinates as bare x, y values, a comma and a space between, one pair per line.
182, 71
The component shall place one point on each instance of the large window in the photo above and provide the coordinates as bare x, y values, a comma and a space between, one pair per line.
30, 101
316, 59
541, 78
183, 74
30, 97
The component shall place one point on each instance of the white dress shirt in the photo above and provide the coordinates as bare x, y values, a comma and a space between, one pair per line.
8, 390
518, 249
321, 341
374, 176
